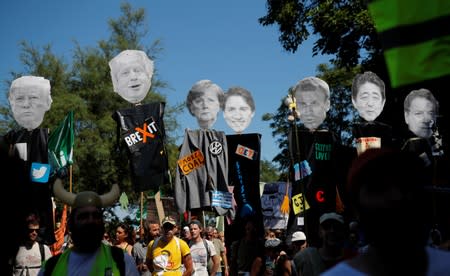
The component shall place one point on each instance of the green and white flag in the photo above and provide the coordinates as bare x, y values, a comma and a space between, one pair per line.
60, 144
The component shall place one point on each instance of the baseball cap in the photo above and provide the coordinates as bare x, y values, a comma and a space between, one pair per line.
170, 220
298, 236
271, 243
333, 216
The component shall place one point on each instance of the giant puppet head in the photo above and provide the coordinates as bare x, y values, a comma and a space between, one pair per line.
238, 108
204, 101
131, 74
29, 98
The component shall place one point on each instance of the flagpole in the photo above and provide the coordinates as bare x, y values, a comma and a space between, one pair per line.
142, 214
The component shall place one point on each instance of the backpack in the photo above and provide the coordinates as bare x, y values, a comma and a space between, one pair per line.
116, 252
208, 256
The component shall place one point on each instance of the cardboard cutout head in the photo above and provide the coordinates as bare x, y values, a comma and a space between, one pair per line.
29, 98
204, 101
238, 109
368, 95
131, 74
313, 101
420, 110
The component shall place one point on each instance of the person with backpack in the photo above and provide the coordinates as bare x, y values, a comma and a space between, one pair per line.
32, 253
169, 255
88, 255
203, 252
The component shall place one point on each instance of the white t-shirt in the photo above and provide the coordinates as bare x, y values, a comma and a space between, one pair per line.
200, 258
30, 259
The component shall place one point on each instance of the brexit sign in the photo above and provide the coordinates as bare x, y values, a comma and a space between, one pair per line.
142, 134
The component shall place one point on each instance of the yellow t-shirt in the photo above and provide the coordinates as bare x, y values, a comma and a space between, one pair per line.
166, 257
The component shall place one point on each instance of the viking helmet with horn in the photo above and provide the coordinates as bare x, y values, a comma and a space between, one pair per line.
85, 198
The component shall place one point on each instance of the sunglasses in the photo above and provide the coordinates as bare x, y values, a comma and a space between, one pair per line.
31, 230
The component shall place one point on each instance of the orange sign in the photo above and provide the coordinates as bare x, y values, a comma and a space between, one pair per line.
191, 162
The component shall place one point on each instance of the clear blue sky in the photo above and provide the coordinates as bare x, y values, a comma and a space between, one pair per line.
201, 39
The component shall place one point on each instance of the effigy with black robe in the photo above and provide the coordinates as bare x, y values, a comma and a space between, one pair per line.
320, 164
244, 152
141, 130
35, 196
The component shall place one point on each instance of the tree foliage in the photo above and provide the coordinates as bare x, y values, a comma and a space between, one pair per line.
344, 29
84, 85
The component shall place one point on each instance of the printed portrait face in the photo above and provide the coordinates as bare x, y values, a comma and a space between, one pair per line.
131, 72
420, 117
369, 101
239, 109
204, 102
313, 107
313, 101
29, 98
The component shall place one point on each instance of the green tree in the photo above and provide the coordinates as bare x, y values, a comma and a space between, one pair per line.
268, 172
84, 85
343, 28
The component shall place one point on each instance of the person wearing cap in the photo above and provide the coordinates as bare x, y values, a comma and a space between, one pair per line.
273, 261
298, 241
394, 212
186, 234
312, 260
131, 74
88, 255
312, 96
203, 252
204, 101
168, 255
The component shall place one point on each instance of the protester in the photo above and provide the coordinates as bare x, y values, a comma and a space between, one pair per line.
32, 253
131, 74
204, 101
169, 255
266, 264
212, 235
387, 190
313, 261
245, 250
202, 251
88, 255
151, 232
124, 237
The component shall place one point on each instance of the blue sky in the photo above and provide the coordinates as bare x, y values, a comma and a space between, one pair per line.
201, 39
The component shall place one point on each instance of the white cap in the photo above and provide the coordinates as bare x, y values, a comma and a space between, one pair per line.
298, 236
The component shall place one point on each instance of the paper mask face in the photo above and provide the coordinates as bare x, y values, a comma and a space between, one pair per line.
369, 101
204, 101
131, 73
420, 117
313, 107
238, 109
237, 114
29, 98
